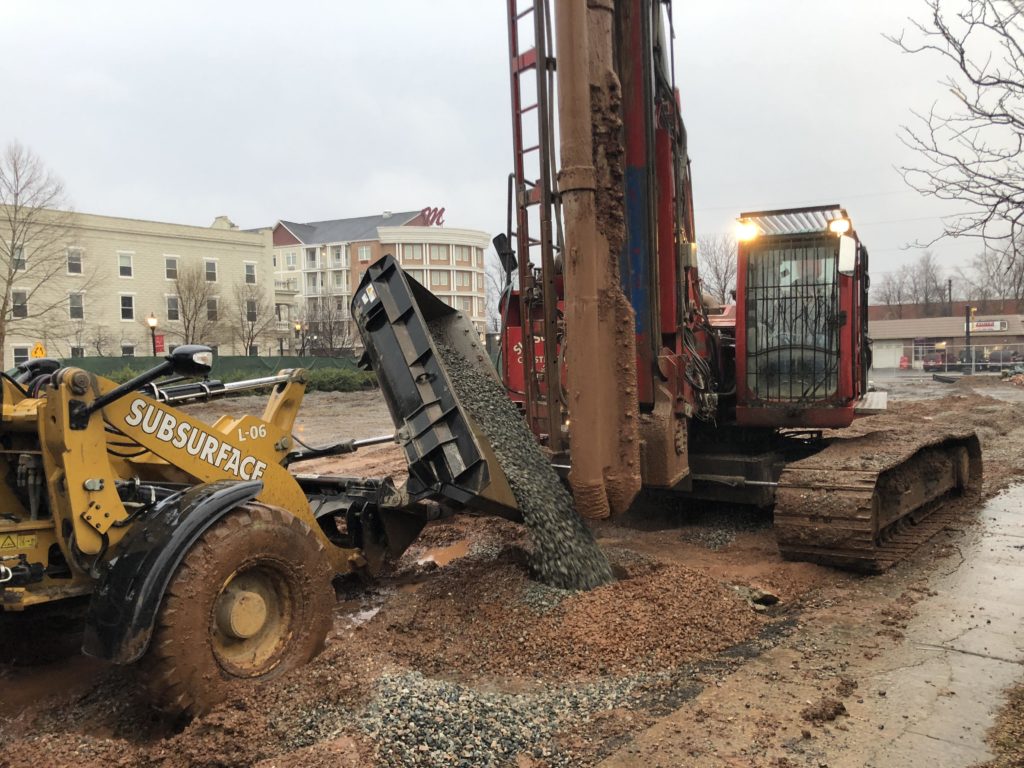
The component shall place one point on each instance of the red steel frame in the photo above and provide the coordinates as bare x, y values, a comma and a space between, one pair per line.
838, 410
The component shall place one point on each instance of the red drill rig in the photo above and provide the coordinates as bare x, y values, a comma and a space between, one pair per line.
625, 374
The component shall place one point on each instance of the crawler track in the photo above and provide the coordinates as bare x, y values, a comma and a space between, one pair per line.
866, 502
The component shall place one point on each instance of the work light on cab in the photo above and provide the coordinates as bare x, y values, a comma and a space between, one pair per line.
746, 230
839, 226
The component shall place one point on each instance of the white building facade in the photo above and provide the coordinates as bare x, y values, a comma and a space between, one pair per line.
318, 266
113, 278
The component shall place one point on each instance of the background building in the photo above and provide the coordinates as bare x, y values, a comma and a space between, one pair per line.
908, 343
95, 285
319, 265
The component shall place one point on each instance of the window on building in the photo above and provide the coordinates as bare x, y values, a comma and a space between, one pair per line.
211, 309
74, 261
173, 311
480, 307
124, 265
463, 279
479, 257
439, 254
338, 279
20, 355
250, 310
78, 351
463, 254
446, 299
466, 303
254, 350
341, 306
336, 256
415, 274
127, 307
310, 257
290, 259
211, 271
250, 274
171, 267
19, 259
19, 304
479, 282
438, 278
365, 251
76, 306
127, 350
412, 252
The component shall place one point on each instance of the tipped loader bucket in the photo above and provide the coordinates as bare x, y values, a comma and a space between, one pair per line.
401, 323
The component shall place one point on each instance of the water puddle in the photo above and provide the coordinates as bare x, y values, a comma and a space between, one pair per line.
361, 617
441, 556
353, 613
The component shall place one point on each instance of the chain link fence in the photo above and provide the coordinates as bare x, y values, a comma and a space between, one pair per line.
895, 358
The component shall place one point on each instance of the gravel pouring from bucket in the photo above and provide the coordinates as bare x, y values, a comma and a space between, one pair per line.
464, 440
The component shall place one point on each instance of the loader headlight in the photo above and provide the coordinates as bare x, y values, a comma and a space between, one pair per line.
191, 360
204, 359
746, 230
839, 226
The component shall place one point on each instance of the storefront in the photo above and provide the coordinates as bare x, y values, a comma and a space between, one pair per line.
941, 342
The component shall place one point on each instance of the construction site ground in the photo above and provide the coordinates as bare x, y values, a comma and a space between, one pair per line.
709, 650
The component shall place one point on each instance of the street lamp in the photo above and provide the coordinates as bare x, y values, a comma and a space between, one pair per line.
301, 337
151, 322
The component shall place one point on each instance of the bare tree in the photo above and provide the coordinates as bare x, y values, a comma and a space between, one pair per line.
494, 286
36, 228
98, 339
328, 328
893, 290
199, 310
716, 259
253, 315
972, 152
982, 277
926, 284
994, 280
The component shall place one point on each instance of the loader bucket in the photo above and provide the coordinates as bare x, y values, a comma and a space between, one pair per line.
401, 323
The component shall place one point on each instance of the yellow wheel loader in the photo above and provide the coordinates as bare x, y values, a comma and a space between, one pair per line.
202, 554
200, 550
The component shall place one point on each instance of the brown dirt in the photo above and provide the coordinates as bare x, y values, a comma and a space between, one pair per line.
681, 611
1007, 738
488, 618
824, 710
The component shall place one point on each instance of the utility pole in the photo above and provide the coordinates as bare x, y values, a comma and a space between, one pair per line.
949, 291
968, 309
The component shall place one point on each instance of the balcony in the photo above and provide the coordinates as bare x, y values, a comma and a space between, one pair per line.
286, 286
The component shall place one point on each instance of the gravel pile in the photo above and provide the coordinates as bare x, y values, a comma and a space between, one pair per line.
565, 554
418, 721
487, 618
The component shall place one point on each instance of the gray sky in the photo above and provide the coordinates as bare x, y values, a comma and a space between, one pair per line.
312, 110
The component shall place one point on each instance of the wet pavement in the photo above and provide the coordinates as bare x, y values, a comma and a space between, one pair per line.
921, 692
965, 646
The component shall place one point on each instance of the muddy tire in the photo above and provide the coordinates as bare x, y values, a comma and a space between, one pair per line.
251, 600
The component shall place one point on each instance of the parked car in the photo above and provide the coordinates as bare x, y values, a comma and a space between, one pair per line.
964, 360
935, 361
1003, 358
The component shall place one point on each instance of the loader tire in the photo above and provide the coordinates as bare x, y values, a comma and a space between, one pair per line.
251, 600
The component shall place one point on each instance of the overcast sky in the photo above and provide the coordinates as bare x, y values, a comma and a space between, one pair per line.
313, 110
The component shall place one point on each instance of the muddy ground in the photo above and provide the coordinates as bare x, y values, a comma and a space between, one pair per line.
457, 658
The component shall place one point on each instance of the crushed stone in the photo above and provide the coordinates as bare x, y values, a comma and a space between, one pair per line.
565, 553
